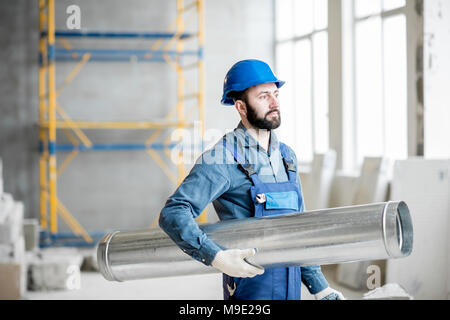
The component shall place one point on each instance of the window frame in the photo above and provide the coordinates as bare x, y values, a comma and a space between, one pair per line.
413, 70
383, 15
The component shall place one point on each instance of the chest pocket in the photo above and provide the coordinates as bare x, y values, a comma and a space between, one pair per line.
282, 200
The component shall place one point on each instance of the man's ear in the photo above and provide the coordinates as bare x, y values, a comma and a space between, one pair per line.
241, 107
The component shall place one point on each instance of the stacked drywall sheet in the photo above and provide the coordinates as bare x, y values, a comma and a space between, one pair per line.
371, 187
343, 189
54, 269
424, 186
11, 218
31, 230
317, 185
372, 184
12, 247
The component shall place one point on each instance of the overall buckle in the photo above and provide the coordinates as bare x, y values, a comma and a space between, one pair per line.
248, 168
289, 165
261, 198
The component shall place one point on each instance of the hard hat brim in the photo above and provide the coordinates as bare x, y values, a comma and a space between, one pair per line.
228, 101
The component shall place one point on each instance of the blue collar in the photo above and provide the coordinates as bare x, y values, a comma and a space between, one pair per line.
246, 140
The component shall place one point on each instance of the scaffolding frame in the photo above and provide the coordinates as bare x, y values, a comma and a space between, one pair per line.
52, 116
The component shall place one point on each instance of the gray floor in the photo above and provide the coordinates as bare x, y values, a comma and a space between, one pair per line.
199, 287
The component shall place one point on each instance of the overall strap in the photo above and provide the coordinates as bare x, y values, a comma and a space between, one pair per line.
243, 163
288, 162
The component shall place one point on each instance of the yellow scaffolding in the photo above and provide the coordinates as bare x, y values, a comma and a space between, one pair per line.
52, 116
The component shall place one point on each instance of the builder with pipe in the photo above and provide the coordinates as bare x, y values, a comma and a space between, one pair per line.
247, 173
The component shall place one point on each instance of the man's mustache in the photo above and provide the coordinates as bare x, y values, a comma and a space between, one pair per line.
277, 111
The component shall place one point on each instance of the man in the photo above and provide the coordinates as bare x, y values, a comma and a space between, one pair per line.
238, 175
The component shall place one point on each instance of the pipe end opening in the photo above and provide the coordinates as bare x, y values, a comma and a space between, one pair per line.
398, 230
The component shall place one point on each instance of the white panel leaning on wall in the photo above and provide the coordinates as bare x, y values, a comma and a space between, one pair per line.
425, 186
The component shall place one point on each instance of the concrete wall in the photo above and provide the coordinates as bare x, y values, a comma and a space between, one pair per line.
100, 191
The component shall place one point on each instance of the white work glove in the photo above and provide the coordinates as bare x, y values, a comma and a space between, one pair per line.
329, 294
232, 262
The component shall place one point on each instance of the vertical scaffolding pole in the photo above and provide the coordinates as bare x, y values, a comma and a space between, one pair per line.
201, 83
52, 116
180, 82
43, 145
201, 68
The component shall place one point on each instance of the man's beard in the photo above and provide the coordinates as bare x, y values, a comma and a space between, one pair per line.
262, 123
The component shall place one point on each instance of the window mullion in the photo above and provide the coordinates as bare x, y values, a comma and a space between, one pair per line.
313, 118
383, 86
354, 106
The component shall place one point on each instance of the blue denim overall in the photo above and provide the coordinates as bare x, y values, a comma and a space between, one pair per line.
279, 198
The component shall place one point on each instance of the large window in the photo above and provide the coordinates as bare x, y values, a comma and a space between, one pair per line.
374, 74
302, 61
380, 80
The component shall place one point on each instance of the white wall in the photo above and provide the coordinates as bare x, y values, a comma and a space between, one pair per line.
235, 30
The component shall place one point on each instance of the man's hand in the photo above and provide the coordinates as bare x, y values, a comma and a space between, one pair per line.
329, 294
232, 262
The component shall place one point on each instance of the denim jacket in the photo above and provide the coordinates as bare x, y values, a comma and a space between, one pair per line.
217, 178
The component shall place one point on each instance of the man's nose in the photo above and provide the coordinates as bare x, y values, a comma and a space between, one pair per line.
274, 104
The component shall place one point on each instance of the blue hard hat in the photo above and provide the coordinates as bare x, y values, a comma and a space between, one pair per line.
246, 74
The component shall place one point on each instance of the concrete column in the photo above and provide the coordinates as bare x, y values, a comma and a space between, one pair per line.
335, 79
436, 75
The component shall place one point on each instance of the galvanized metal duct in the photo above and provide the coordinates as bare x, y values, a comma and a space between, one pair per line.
328, 236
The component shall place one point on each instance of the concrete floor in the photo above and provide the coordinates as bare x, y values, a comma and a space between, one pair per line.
199, 287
